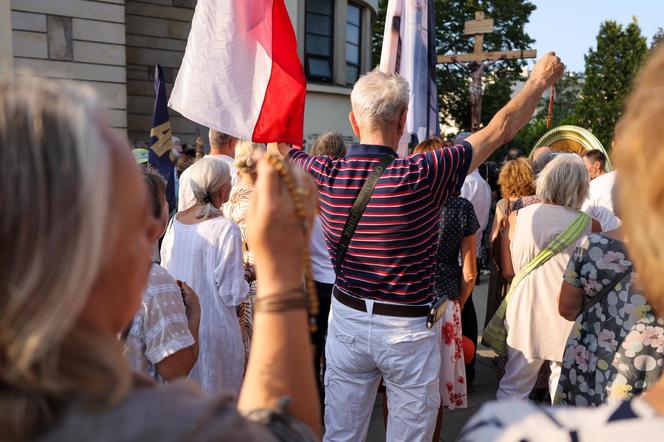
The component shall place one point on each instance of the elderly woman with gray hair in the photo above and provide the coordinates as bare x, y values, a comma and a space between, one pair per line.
536, 246
205, 249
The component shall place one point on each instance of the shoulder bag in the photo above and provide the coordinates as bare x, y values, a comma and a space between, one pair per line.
495, 333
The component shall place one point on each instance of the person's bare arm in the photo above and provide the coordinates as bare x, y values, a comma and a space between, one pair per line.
280, 363
180, 363
506, 254
497, 225
279, 148
517, 113
177, 365
570, 301
468, 267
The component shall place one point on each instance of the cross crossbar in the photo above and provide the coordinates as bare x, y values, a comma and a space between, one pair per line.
487, 56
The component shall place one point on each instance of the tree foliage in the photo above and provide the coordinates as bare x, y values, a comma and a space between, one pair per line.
609, 72
657, 38
510, 18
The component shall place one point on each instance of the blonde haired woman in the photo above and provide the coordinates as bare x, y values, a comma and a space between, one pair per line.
236, 209
535, 331
205, 249
78, 192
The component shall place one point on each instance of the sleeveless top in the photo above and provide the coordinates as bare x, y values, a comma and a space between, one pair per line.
534, 325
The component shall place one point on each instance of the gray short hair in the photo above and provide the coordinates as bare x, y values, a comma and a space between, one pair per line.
330, 144
206, 177
564, 181
219, 138
378, 98
540, 163
55, 176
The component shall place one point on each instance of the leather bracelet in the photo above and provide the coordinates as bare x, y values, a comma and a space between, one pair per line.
281, 303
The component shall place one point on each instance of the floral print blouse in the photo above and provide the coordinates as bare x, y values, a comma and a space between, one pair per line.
616, 348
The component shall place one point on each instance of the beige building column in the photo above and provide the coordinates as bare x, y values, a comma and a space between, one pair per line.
365, 41
6, 51
339, 63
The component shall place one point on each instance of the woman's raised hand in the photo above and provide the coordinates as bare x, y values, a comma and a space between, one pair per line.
275, 233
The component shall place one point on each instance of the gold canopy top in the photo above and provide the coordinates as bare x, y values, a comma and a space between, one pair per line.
572, 139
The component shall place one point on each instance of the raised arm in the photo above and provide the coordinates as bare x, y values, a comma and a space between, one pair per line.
279, 148
280, 364
516, 114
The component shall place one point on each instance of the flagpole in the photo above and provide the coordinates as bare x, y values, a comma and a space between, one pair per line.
431, 60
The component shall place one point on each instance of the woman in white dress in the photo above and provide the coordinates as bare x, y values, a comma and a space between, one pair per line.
205, 249
535, 331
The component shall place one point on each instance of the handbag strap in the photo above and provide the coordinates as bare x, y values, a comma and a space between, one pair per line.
565, 239
359, 205
605, 291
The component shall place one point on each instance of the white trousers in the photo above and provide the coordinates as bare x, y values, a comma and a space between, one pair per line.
362, 347
521, 375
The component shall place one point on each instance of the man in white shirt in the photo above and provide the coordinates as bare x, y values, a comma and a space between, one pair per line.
599, 203
476, 190
221, 146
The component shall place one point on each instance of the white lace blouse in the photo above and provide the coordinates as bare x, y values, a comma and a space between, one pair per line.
159, 328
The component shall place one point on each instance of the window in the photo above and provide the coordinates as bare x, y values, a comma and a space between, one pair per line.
319, 26
353, 48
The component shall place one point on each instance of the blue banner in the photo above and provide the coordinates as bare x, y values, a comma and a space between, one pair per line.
160, 138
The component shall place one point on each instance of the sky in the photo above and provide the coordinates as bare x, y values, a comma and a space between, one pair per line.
570, 27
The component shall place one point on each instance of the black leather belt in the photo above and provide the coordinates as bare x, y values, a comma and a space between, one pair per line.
404, 311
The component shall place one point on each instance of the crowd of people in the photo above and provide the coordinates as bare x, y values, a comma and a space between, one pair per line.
194, 322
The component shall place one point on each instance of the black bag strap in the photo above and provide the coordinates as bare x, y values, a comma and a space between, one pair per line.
605, 291
359, 205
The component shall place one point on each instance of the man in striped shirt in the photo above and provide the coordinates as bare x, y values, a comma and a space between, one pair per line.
378, 316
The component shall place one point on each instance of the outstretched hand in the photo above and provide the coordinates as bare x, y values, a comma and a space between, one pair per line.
547, 71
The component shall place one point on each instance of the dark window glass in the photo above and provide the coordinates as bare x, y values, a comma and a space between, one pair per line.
353, 42
353, 34
319, 28
319, 68
352, 73
325, 7
352, 53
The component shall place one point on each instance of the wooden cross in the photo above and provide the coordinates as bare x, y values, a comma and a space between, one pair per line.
475, 61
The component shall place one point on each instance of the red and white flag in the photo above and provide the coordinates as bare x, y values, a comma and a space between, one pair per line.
241, 74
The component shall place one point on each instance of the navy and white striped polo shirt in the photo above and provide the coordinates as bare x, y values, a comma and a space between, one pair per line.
392, 254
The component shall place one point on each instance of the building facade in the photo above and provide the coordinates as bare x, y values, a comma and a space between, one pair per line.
113, 46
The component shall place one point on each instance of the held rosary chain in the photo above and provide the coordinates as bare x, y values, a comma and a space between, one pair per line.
549, 115
298, 194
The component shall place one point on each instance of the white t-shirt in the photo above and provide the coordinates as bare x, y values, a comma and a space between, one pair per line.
476, 190
186, 195
599, 203
634, 420
321, 267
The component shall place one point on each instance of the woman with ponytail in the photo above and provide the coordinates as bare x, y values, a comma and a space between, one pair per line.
205, 249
